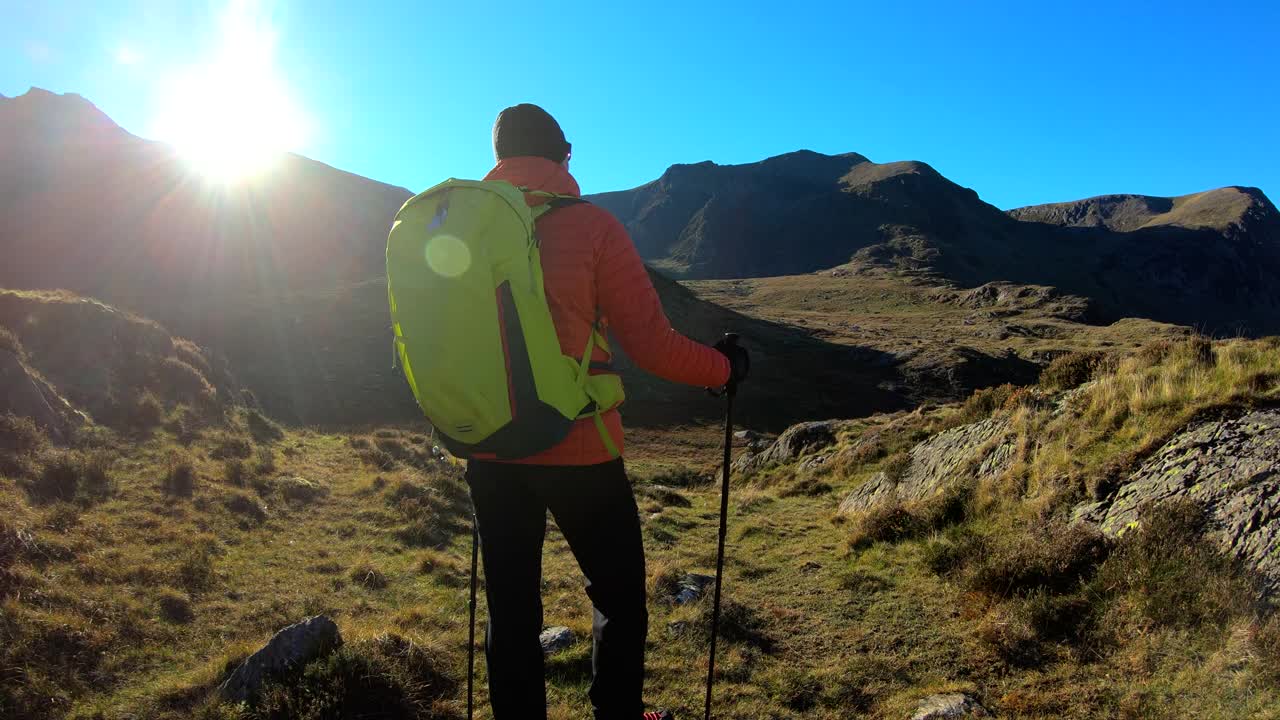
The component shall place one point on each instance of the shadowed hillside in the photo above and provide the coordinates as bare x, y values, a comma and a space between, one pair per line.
1204, 260
283, 276
327, 355
943, 340
86, 206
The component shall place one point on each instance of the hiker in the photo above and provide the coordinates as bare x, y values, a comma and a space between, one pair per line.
593, 277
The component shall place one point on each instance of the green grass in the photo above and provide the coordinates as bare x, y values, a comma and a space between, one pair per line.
140, 600
899, 313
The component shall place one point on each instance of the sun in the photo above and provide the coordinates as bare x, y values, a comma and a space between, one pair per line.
231, 117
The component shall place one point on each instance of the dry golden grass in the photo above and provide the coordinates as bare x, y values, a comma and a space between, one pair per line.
1129, 412
139, 601
893, 312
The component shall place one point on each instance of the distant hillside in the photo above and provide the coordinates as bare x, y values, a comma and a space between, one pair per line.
90, 362
325, 356
789, 214
1219, 210
1205, 259
86, 206
283, 277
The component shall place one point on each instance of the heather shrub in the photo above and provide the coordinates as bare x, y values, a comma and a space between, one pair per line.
181, 478
246, 506
262, 428
67, 474
265, 462
175, 607
1054, 556
387, 677
886, 522
368, 577
195, 570
983, 403
1072, 370
147, 413
896, 467
185, 425
301, 490
21, 441
235, 472
1173, 575
1264, 638
230, 446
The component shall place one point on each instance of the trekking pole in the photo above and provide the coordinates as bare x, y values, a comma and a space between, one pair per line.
730, 390
471, 605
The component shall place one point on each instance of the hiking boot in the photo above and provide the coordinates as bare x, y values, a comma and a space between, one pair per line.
659, 715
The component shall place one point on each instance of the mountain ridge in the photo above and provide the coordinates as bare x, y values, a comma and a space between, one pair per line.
270, 269
1201, 259
284, 276
1129, 212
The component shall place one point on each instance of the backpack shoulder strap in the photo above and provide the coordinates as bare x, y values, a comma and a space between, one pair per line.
554, 201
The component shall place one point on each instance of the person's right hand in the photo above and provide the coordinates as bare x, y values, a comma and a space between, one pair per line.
739, 360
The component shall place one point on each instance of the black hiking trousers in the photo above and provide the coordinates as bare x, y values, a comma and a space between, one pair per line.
596, 511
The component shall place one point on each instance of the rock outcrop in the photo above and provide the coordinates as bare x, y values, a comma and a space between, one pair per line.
1003, 296
291, 648
960, 370
795, 441
1232, 468
935, 464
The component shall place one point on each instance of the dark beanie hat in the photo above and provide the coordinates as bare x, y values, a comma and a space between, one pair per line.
528, 130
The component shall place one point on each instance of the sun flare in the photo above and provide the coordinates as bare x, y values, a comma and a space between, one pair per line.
232, 117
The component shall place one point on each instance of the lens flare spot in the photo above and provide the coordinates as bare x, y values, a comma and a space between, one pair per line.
448, 256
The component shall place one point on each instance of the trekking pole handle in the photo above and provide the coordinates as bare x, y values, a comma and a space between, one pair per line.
739, 362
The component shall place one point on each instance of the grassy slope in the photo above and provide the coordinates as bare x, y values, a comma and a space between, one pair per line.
819, 630
893, 312
1216, 209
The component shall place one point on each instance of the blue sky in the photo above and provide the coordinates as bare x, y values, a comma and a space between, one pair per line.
1025, 102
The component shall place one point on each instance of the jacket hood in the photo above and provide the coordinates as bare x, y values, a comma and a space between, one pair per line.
535, 173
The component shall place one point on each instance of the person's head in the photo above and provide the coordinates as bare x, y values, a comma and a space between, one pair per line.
528, 130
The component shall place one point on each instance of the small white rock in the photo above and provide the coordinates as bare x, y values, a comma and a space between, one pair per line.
950, 705
555, 639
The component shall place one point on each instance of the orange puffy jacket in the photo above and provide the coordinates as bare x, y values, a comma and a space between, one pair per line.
589, 264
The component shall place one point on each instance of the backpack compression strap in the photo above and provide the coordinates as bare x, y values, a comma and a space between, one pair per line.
584, 369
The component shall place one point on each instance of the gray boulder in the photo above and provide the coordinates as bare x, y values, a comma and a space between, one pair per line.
1232, 468
937, 463
291, 648
794, 442
693, 586
556, 639
949, 705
